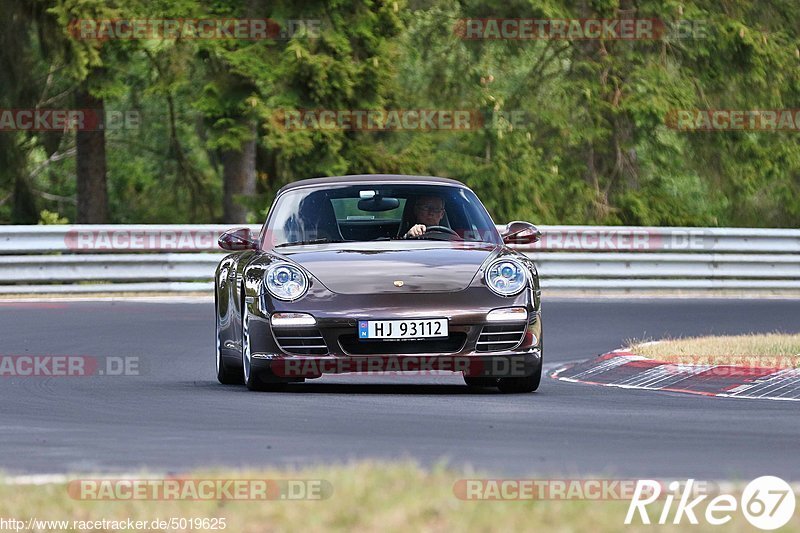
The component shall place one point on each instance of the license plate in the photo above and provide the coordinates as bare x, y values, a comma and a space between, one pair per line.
402, 329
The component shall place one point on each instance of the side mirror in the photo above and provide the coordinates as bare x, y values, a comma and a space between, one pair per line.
519, 232
237, 239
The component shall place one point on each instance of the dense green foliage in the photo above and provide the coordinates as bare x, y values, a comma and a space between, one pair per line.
575, 130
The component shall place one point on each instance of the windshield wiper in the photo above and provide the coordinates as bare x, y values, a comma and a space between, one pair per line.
311, 241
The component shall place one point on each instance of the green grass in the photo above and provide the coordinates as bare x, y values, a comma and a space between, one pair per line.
366, 496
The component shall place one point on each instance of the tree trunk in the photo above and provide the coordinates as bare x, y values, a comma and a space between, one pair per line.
239, 178
13, 171
24, 210
91, 164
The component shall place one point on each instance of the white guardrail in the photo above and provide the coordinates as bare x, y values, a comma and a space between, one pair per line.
176, 258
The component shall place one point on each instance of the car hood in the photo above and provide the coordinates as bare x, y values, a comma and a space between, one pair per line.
378, 267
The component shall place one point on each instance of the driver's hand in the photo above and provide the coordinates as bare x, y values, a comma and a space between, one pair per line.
416, 230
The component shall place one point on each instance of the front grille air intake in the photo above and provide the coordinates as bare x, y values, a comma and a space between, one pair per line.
300, 341
499, 338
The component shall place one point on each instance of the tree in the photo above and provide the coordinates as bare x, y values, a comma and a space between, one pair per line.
91, 158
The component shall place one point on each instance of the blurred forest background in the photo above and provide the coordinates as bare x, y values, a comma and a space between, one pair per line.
594, 148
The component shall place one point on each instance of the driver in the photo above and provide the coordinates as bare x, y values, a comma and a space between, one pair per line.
428, 211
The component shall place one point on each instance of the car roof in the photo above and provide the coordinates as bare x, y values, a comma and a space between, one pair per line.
371, 178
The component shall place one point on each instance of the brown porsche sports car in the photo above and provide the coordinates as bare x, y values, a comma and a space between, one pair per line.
376, 274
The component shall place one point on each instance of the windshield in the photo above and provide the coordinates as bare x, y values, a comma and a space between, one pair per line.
368, 212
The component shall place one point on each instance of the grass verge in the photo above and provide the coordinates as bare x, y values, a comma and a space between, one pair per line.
365, 496
773, 350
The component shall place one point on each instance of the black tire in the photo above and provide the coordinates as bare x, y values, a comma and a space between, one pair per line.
256, 379
522, 384
477, 383
260, 382
226, 373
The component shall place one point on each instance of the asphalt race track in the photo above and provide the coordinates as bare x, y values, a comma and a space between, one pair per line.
175, 416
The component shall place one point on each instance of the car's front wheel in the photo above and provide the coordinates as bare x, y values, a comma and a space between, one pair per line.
256, 379
480, 382
226, 374
522, 384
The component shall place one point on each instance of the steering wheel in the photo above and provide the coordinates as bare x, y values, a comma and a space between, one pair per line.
442, 229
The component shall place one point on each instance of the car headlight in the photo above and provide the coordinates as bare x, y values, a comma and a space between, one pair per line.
285, 281
506, 277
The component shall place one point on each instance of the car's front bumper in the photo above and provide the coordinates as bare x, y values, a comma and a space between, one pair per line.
336, 326
494, 365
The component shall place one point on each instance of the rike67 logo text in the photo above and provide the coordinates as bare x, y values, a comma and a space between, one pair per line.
767, 502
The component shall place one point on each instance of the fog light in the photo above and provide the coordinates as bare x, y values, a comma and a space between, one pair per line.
292, 320
509, 314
